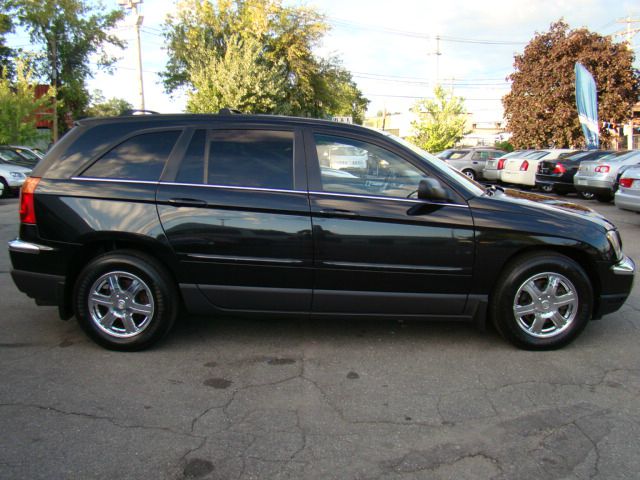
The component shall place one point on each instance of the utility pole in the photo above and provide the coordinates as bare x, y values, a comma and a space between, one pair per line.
438, 53
54, 80
628, 32
133, 6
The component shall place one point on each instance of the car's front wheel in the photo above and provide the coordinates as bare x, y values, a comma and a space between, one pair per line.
125, 300
542, 301
469, 173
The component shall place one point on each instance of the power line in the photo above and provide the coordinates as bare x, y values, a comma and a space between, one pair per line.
392, 31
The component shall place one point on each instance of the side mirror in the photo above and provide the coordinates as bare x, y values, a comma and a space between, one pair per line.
431, 189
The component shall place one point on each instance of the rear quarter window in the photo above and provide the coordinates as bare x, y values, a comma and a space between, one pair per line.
138, 158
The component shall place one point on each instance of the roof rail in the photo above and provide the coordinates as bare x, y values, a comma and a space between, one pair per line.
229, 111
136, 111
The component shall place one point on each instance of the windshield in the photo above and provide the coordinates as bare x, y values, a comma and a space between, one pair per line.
451, 173
27, 154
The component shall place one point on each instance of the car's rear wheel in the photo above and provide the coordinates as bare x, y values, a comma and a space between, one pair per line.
125, 300
586, 195
542, 301
546, 188
604, 197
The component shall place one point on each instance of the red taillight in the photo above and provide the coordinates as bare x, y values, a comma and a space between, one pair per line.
524, 166
27, 210
602, 169
501, 164
626, 182
559, 169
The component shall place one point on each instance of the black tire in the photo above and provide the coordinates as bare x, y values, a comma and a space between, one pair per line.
154, 291
586, 195
546, 188
5, 189
512, 290
604, 197
470, 173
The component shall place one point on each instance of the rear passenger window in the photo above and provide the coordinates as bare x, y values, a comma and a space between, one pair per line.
242, 158
251, 158
139, 158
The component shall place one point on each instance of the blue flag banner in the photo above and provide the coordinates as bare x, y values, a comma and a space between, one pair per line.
587, 102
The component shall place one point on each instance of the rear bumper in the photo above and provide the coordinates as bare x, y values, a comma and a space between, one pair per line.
591, 185
44, 288
36, 273
627, 202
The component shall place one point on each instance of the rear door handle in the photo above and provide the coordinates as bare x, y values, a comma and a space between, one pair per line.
187, 202
338, 211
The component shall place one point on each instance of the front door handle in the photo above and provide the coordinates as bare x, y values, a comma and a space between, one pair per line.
187, 202
338, 211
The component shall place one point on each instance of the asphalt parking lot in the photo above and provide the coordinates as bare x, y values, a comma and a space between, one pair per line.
234, 398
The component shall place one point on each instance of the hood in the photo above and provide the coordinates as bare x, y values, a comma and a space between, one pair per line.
537, 204
11, 167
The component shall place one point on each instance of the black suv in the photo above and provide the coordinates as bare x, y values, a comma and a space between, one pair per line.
127, 220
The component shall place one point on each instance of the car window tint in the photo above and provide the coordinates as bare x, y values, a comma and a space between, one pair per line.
139, 158
352, 166
251, 158
192, 166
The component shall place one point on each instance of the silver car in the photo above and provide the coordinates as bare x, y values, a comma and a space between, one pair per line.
599, 176
470, 161
628, 195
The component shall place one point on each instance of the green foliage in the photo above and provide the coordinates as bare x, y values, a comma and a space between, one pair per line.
505, 145
239, 79
69, 33
441, 123
18, 107
6, 53
541, 107
268, 39
101, 107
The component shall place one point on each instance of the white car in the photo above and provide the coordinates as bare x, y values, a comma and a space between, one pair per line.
627, 197
522, 171
12, 177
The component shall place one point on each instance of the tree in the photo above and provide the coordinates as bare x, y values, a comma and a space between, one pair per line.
20, 108
6, 53
239, 79
69, 32
266, 37
99, 106
541, 107
441, 121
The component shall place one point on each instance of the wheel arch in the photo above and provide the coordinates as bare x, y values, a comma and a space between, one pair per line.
114, 241
581, 257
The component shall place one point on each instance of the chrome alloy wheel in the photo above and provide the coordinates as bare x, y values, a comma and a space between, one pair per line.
545, 305
120, 304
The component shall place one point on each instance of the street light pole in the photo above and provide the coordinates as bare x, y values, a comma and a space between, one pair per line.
133, 6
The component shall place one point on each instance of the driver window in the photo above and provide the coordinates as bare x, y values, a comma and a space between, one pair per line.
352, 166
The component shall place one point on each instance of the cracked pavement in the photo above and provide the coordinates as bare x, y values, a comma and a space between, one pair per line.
233, 398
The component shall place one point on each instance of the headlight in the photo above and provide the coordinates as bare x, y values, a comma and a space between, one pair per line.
616, 243
17, 175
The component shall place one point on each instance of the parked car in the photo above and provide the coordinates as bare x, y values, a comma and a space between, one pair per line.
493, 167
522, 172
627, 197
599, 177
129, 219
12, 177
9, 155
557, 175
29, 153
470, 161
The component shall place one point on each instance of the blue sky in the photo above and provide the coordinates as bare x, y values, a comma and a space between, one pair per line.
390, 46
